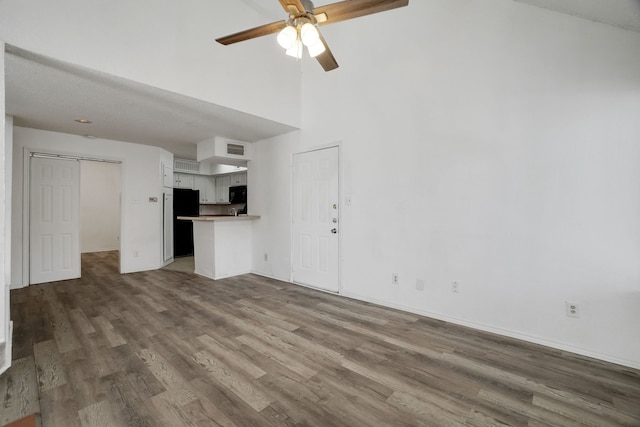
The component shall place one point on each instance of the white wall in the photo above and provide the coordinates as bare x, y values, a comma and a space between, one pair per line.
166, 44
141, 230
269, 195
99, 206
487, 142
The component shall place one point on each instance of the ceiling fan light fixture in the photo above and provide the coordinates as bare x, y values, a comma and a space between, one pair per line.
309, 34
288, 37
316, 49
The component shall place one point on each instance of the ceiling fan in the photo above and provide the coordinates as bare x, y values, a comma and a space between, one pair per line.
300, 30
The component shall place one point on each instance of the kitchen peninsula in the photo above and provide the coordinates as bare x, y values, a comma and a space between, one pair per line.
221, 244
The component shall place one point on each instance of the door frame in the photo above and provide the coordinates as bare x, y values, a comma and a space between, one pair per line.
26, 195
338, 145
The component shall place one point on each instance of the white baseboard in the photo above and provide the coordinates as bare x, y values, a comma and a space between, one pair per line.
5, 350
18, 286
268, 276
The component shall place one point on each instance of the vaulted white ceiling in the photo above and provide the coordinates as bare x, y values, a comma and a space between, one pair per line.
619, 13
129, 111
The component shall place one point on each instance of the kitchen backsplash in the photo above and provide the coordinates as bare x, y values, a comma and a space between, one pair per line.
219, 209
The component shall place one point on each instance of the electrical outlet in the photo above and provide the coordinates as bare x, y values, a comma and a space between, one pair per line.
573, 309
455, 288
394, 279
266, 257
420, 285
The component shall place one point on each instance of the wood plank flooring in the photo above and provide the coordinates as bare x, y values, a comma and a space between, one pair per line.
167, 348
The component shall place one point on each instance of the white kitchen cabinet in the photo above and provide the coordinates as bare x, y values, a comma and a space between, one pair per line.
238, 179
183, 180
206, 185
167, 175
222, 189
167, 227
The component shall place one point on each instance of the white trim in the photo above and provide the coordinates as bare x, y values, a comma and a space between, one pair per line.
280, 279
71, 157
6, 362
26, 169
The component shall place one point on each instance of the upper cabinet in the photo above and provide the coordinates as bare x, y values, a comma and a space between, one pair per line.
183, 180
167, 175
238, 179
222, 189
206, 185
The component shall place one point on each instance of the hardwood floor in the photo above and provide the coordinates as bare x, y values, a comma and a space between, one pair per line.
175, 349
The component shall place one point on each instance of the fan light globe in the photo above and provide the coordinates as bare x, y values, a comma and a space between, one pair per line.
309, 34
295, 50
316, 49
287, 37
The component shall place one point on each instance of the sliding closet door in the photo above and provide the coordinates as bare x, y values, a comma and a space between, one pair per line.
54, 220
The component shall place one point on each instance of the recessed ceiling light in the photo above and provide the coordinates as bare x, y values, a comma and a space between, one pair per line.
84, 121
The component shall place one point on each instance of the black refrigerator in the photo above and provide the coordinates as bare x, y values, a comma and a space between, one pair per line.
185, 203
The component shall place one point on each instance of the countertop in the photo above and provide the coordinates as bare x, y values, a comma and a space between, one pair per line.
240, 217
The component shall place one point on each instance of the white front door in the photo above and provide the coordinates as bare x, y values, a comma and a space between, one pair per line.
54, 242
315, 219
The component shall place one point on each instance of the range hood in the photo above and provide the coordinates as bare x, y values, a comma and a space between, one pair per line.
224, 151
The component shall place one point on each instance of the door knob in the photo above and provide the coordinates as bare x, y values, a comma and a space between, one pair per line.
334, 230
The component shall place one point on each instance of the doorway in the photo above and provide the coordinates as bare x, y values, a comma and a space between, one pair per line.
73, 207
315, 217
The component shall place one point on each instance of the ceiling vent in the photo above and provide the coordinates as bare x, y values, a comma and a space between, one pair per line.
235, 149
182, 165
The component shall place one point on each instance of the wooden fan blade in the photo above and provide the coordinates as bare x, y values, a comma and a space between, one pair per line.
326, 58
350, 9
287, 5
252, 33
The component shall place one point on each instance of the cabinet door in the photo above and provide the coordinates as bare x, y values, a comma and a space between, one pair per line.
210, 189
187, 181
167, 176
222, 189
199, 184
183, 180
239, 179
207, 188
